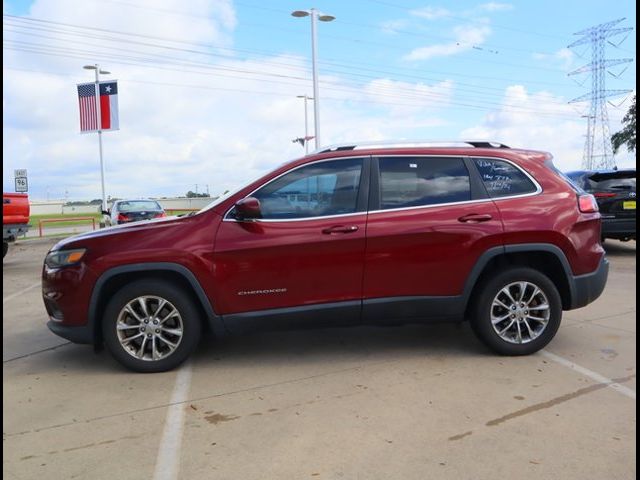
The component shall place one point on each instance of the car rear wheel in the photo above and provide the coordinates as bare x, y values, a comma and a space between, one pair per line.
517, 312
151, 326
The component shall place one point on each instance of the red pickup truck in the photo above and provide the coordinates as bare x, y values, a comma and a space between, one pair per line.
15, 217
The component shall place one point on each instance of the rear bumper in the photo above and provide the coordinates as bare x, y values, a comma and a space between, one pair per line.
618, 227
587, 288
75, 334
11, 232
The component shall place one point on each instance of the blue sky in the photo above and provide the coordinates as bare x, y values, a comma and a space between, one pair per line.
208, 88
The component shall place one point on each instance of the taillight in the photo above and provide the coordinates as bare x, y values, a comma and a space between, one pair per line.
587, 203
160, 215
122, 218
604, 195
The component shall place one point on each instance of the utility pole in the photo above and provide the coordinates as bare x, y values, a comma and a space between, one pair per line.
598, 152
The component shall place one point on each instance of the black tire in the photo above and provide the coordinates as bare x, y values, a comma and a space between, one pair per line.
5, 249
482, 304
191, 325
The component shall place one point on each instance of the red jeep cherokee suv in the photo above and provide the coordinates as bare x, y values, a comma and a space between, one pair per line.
349, 235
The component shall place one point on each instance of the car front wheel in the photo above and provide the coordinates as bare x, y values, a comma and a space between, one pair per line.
517, 312
151, 326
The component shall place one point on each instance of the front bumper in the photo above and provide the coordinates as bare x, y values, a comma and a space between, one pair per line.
65, 294
75, 334
587, 288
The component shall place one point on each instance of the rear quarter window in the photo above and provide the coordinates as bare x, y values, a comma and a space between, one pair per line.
502, 179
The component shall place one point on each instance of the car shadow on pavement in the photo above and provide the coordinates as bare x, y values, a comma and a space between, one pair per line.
310, 346
67, 358
332, 345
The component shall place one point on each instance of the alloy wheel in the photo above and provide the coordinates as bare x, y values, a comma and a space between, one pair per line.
520, 312
149, 328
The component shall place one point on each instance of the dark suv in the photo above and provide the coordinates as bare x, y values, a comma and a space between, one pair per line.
349, 235
615, 192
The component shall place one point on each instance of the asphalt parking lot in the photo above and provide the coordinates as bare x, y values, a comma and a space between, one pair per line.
416, 402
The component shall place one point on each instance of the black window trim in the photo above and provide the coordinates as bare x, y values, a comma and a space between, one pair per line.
370, 181
361, 202
474, 174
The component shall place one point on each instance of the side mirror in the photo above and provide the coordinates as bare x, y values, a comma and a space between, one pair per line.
248, 209
106, 212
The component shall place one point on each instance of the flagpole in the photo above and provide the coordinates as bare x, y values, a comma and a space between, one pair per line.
104, 196
96, 67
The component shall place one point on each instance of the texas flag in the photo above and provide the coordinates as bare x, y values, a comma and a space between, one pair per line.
89, 108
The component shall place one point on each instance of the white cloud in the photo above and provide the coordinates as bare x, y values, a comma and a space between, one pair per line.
466, 37
564, 57
417, 97
430, 13
237, 124
392, 26
538, 121
495, 7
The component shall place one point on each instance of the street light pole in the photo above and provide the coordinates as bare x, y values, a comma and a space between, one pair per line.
96, 67
315, 16
306, 124
314, 65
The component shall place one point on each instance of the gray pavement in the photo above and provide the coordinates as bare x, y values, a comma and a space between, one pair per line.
415, 402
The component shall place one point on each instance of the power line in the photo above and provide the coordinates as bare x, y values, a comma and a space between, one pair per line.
174, 40
465, 87
338, 64
449, 15
435, 99
460, 105
272, 27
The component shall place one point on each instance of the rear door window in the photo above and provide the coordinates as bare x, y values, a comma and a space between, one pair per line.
502, 179
416, 181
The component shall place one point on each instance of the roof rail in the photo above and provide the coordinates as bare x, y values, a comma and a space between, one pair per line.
408, 144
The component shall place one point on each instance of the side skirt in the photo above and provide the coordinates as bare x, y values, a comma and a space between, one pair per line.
309, 316
377, 311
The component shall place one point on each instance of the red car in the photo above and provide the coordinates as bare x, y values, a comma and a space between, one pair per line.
349, 235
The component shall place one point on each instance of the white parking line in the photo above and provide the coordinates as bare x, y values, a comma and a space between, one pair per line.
17, 294
593, 375
168, 461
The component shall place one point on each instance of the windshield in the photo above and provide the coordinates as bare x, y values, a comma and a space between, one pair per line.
218, 200
138, 205
229, 193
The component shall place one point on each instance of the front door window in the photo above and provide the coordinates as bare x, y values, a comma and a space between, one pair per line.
317, 190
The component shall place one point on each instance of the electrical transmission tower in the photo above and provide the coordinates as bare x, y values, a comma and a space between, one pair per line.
597, 148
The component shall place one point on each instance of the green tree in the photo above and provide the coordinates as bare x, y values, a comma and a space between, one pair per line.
191, 194
628, 134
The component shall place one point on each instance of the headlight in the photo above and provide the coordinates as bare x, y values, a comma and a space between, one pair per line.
64, 258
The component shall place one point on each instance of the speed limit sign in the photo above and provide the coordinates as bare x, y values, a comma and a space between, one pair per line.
22, 185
